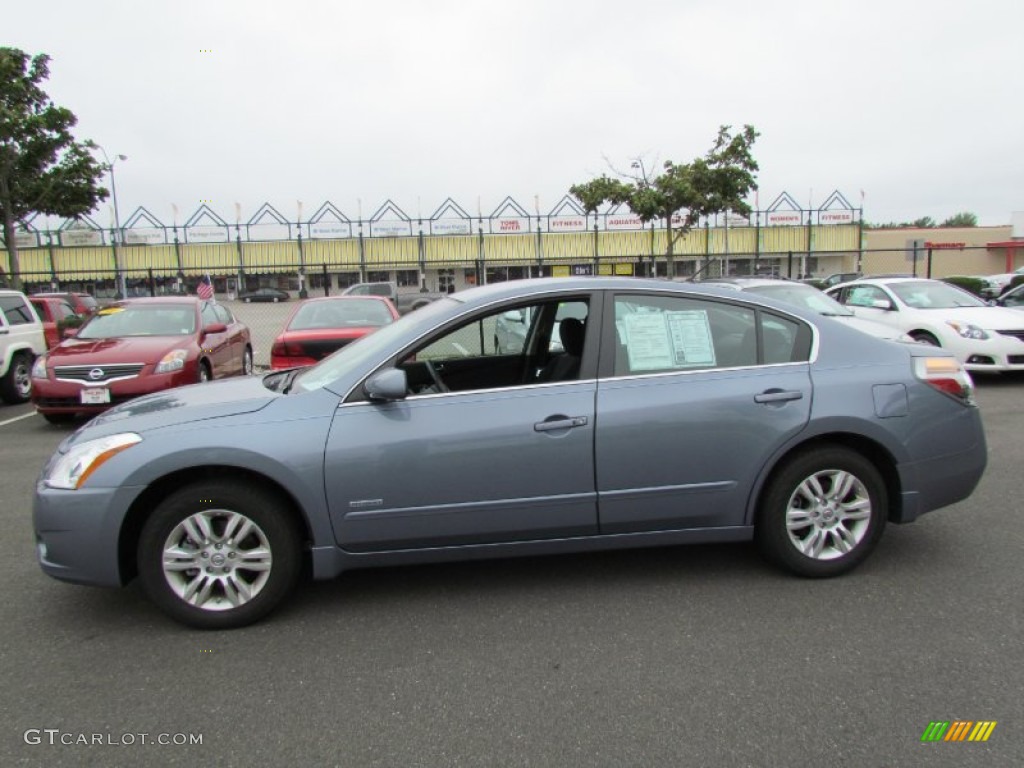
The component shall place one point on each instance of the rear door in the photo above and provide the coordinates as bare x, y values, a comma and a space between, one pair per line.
216, 346
695, 396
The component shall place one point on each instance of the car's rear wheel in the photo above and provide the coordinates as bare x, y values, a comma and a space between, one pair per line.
16, 385
59, 418
219, 555
247, 362
822, 513
925, 338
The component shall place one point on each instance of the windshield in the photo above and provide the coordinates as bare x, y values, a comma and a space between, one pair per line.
366, 350
931, 294
141, 320
805, 296
340, 313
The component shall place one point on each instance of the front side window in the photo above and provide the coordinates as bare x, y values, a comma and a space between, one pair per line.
16, 310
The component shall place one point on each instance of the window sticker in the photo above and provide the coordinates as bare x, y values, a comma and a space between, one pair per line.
667, 340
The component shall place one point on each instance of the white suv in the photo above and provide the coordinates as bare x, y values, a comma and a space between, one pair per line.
21, 342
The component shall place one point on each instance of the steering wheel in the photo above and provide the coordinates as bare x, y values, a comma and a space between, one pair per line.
435, 376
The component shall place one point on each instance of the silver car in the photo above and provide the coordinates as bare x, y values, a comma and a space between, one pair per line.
672, 413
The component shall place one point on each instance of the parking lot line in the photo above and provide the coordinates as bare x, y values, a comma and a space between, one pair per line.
17, 418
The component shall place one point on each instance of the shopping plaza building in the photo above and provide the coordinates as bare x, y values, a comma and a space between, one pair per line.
452, 249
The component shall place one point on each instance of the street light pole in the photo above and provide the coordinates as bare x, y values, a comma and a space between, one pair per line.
118, 235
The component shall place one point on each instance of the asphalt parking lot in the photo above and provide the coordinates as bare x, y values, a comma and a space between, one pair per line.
700, 656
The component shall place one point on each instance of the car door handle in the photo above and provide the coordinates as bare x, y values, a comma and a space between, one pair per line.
560, 422
778, 396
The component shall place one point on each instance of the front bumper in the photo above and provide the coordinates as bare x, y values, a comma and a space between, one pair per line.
50, 396
78, 532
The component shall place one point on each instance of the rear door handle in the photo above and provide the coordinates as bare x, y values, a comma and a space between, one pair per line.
778, 396
556, 423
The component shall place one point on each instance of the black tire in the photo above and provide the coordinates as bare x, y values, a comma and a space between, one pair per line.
59, 418
247, 362
247, 300
16, 385
925, 338
836, 523
272, 528
205, 374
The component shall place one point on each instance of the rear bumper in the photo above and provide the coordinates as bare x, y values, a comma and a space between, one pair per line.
939, 482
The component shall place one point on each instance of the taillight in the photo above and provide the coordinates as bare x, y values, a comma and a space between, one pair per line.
947, 375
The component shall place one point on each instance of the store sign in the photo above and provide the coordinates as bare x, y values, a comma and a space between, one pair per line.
72, 238
784, 218
330, 230
519, 225
735, 220
623, 221
390, 228
144, 237
451, 227
567, 224
835, 217
275, 231
206, 234
25, 239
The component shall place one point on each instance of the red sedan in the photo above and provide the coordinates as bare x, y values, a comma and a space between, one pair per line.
136, 347
318, 327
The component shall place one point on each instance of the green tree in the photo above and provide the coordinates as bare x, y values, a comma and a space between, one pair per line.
43, 169
962, 219
715, 183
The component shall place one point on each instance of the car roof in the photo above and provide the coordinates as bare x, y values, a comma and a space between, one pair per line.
188, 300
750, 282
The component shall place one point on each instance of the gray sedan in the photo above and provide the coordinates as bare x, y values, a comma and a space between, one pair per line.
668, 414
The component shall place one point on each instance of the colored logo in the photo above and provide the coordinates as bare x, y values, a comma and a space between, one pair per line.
958, 730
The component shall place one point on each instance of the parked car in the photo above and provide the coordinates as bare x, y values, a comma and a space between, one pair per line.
805, 296
21, 342
839, 277
983, 337
405, 301
82, 303
264, 294
997, 284
1013, 298
683, 414
135, 347
318, 327
53, 312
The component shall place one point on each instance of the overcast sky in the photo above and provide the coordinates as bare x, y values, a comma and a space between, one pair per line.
917, 104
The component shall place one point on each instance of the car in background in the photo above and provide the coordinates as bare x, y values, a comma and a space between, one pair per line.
405, 301
1012, 299
82, 303
136, 347
21, 343
691, 414
983, 337
318, 327
510, 328
53, 312
264, 294
808, 297
997, 284
838, 277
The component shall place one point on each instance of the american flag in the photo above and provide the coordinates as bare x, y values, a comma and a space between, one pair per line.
205, 288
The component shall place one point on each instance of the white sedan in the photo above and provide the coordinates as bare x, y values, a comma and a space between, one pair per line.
983, 337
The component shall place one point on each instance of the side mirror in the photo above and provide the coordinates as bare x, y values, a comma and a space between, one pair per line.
387, 385
68, 333
215, 328
881, 304
514, 315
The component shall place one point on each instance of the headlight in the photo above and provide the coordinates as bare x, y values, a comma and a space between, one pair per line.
74, 467
173, 361
39, 368
967, 330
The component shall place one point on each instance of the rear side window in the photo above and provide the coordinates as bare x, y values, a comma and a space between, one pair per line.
16, 310
658, 334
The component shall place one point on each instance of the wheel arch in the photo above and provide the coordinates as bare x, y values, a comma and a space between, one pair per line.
882, 459
145, 502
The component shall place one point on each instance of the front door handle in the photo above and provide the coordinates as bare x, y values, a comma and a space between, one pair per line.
559, 422
778, 396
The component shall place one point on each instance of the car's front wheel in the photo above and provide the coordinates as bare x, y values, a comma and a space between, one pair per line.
219, 555
822, 513
247, 362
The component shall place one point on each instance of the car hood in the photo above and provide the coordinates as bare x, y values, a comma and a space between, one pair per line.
870, 327
181, 405
131, 349
989, 318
